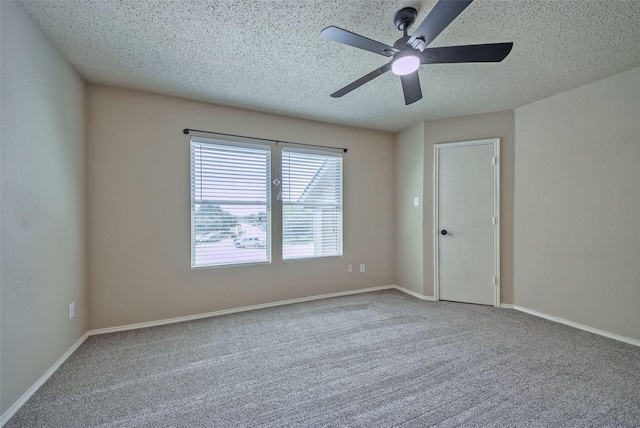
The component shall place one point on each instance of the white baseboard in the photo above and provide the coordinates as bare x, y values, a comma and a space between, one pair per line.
506, 305
234, 310
415, 294
578, 326
4, 418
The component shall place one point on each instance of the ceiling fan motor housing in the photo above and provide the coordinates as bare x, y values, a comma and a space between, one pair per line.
401, 43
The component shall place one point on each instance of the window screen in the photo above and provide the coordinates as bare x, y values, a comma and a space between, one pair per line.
230, 209
311, 204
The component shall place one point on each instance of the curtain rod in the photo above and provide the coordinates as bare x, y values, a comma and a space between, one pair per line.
187, 130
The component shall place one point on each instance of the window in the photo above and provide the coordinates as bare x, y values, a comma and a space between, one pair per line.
230, 203
311, 204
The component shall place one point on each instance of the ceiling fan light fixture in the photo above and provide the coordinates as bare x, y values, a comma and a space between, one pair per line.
405, 64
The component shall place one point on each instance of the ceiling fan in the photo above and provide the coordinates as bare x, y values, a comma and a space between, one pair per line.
409, 52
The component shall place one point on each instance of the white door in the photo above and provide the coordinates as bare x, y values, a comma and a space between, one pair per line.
466, 207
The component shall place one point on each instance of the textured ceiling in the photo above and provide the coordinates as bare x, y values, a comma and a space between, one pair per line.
268, 55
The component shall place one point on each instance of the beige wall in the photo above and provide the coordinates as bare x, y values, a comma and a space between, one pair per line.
476, 127
577, 207
139, 211
42, 234
409, 167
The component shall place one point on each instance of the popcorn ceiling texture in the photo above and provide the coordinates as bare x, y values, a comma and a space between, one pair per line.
268, 55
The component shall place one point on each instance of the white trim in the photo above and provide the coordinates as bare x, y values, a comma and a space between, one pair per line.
506, 305
578, 326
415, 294
496, 212
436, 222
233, 310
4, 418
496, 220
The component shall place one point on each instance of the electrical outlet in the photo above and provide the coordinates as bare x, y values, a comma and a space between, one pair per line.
72, 310
362, 268
349, 268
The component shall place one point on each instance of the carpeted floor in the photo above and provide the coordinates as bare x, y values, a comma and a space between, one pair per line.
369, 360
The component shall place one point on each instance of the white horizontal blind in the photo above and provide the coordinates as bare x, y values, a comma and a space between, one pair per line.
230, 209
311, 204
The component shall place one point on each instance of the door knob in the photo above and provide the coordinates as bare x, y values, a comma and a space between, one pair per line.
444, 232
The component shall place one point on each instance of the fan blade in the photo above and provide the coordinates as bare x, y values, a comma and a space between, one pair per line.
442, 14
352, 39
361, 81
411, 87
492, 52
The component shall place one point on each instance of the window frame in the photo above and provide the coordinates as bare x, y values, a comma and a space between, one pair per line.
340, 233
232, 143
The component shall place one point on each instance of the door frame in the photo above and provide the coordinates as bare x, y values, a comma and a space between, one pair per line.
496, 213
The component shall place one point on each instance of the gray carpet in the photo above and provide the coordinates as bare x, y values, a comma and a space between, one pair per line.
368, 360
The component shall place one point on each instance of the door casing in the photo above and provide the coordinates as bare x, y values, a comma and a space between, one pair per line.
496, 212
